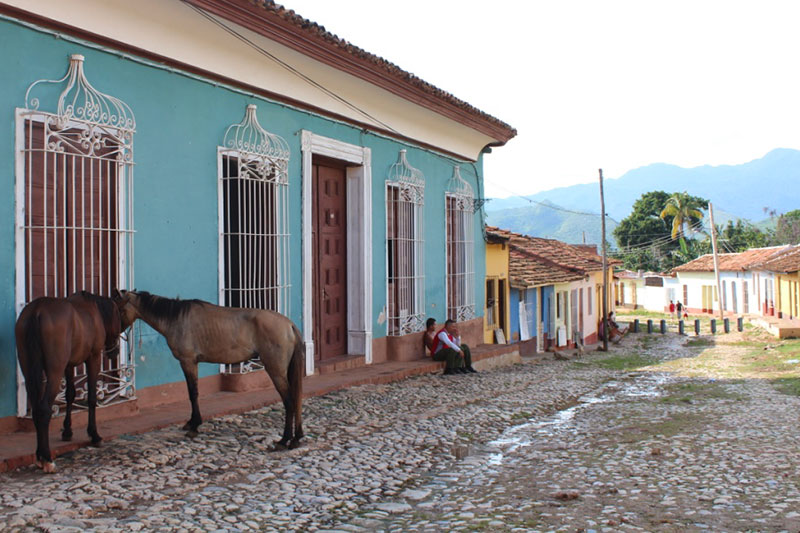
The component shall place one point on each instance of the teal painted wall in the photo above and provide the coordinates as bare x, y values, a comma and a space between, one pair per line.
180, 121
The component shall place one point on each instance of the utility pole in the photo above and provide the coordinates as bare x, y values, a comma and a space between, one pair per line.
716, 260
605, 264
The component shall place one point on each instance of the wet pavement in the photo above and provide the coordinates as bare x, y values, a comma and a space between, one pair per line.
542, 446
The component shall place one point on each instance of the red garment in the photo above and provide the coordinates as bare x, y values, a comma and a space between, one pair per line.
671, 307
435, 342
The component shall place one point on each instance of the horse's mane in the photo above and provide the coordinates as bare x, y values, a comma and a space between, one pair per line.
165, 308
104, 305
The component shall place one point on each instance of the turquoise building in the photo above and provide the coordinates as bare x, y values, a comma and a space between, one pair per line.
236, 153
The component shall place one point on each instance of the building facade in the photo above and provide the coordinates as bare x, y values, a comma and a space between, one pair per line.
233, 152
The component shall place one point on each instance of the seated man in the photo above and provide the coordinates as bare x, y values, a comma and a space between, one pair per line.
447, 347
616, 332
428, 336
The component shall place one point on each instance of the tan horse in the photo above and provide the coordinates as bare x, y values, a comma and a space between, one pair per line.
54, 335
201, 332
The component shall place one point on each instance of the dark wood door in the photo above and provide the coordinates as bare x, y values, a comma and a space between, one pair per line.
329, 228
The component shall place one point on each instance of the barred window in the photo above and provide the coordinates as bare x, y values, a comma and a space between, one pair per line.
405, 193
74, 209
254, 230
460, 248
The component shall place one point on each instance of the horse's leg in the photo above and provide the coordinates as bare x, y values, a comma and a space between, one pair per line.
69, 378
190, 372
93, 371
282, 386
42, 413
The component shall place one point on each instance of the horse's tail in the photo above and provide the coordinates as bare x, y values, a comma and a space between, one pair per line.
34, 364
297, 366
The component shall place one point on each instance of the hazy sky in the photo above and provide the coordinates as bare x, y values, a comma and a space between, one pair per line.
591, 84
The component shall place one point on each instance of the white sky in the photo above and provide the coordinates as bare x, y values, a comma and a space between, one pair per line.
590, 84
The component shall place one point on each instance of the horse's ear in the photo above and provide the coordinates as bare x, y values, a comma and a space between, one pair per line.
115, 294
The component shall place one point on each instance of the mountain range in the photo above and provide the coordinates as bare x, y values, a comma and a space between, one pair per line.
736, 191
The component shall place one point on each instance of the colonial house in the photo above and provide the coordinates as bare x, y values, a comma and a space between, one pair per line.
275, 166
556, 291
496, 310
645, 290
746, 286
785, 265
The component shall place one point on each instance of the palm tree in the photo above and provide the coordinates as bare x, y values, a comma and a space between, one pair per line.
683, 209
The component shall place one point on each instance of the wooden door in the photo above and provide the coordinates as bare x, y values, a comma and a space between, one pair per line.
329, 243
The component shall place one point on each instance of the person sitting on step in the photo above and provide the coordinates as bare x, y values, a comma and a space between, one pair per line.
447, 347
428, 336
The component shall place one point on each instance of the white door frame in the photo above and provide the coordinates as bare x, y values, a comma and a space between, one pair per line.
359, 242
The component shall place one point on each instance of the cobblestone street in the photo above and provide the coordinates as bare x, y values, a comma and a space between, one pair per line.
545, 445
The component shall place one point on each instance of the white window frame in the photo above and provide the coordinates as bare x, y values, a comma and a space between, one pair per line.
262, 258
84, 119
459, 195
405, 278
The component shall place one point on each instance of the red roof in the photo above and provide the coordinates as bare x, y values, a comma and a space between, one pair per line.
535, 261
290, 29
785, 261
731, 262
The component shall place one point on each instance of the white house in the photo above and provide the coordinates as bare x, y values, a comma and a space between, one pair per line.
744, 287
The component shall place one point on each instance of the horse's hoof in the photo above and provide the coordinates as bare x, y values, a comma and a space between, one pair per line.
49, 467
192, 433
187, 426
96, 442
294, 443
279, 445
67, 436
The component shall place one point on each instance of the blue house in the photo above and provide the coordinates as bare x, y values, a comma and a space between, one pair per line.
235, 152
556, 292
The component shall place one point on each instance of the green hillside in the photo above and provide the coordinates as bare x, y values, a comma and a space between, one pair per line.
552, 223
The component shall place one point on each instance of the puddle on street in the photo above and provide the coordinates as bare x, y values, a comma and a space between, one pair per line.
526, 434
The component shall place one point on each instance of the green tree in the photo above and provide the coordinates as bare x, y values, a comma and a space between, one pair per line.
741, 236
644, 236
787, 229
684, 210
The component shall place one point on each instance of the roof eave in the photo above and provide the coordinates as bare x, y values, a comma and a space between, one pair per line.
341, 55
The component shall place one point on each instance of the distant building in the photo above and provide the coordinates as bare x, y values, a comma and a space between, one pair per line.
747, 286
556, 291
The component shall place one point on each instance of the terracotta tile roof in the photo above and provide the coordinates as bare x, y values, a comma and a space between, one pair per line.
730, 262
536, 261
528, 270
326, 46
786, 261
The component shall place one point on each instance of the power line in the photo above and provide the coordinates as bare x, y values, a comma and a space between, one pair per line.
290, 68
552, 206
657, 242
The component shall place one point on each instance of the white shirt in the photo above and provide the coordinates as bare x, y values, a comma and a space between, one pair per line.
444, 339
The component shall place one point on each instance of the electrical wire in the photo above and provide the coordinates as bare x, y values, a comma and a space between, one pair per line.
552, 206
694, 228
289, 68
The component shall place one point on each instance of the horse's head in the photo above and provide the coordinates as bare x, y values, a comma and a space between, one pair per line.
127, 304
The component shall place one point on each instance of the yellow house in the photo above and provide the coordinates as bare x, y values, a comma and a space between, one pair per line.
786, 267
496, 305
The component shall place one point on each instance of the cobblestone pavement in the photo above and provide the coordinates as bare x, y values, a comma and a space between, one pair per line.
545, 445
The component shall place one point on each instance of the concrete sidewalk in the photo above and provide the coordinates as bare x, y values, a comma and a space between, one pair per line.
18, 449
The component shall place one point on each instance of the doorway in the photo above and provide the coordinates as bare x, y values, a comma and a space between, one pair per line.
329, 263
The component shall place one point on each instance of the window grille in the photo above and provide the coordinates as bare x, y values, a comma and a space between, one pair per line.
460, 248
405, 199
254, 227
75, 209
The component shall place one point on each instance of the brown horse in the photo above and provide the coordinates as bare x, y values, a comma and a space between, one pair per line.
201, 332
54, 335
